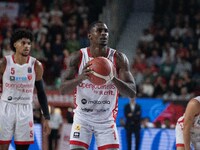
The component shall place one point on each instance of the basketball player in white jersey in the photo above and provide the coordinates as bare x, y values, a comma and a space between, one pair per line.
97, 106
20, 73
188, 126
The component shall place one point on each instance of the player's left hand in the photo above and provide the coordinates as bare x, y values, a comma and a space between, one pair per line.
46, 128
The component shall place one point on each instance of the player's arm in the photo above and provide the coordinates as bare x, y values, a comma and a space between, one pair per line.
71, 78
2, 66
42, 98
125, 83
192, 109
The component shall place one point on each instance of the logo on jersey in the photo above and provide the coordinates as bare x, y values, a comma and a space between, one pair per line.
9, 98
87, 109
84, 101
77, 127
76, 134
29, 77
21, 78
30, 124
29, 70
12, 78
99, 102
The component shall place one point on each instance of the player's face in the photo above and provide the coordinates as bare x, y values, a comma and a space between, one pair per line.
99, 34
23, 46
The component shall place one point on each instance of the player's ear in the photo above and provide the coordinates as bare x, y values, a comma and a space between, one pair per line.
15, 44
89, 36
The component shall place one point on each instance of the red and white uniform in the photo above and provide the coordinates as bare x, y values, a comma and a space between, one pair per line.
16, 115
96, 110
194, 132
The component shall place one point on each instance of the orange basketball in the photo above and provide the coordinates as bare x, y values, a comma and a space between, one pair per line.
102, 68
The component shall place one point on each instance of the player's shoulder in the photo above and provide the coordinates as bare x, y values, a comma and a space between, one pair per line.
197, 98
75, 57
38, 65
194, 102
121, 58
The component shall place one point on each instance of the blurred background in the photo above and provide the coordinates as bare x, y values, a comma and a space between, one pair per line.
161, 39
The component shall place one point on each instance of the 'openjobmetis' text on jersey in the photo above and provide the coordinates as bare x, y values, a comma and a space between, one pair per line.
18, 81
99, 103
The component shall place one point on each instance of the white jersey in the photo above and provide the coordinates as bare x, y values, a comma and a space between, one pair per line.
96, 103
194, 131
18, 81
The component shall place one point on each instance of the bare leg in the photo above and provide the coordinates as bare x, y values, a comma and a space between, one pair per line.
4, 147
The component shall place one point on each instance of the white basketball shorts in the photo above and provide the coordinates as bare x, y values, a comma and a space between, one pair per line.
106, 135
16, 120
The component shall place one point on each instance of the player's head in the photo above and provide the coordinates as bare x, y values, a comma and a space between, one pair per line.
21, 40
98, 33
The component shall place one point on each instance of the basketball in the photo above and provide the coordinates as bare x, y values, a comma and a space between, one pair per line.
102, 68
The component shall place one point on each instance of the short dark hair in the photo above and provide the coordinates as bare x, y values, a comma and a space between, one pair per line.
93, 24
19, 34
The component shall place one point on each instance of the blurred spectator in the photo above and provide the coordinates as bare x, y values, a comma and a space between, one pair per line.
37, 115
168, 52
167, 68
72, 43
147, 89
169, 95
7, 49
146, 37
154, 59
157, 124
184, 94
160, 87
145, 123
182, 66
55, 123
167, 124
132, 112
44, 16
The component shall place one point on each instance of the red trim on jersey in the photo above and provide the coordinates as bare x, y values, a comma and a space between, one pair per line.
88, 51
5, 142
23, 142
109, 146
115, 59
181, 121
90, 55
115, 110
79, 143
179, 145
13, 58
35, 67
81, 57
28, 59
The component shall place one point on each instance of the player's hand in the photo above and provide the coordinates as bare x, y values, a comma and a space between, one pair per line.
113, 71
46, 128
86, 71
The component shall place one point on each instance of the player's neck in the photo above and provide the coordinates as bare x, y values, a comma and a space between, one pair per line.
19, 59
98, 51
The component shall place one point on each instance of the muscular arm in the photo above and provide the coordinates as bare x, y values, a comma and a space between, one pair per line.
125, 83
193, 108
70, 81
2, 67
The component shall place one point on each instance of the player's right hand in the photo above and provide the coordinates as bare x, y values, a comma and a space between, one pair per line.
46, 128
86, 71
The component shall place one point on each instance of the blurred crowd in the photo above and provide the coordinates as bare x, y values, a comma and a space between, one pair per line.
59, 27
167, 62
